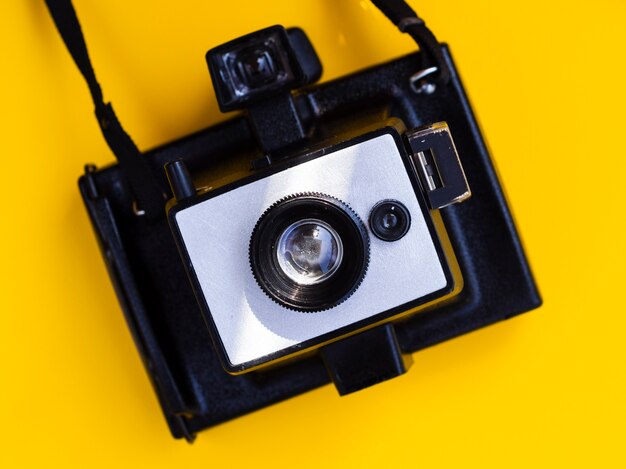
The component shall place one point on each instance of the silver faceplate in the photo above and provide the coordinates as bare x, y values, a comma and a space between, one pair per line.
216, 234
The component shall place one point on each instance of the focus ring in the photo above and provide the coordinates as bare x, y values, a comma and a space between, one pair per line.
309, 297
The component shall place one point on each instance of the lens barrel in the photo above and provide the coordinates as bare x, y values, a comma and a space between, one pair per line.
309, 252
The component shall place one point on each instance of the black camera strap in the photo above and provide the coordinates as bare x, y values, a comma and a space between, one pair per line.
407, 21
149, 197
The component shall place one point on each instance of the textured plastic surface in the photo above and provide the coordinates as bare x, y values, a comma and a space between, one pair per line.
378, 347
158, 301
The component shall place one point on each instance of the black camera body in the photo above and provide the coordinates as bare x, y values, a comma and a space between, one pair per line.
320, 239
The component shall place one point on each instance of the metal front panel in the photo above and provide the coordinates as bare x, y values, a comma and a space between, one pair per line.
216, 234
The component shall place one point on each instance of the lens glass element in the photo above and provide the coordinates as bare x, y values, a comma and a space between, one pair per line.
309, 251
389, 220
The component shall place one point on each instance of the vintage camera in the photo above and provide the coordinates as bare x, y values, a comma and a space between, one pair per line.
320, 239
324, 242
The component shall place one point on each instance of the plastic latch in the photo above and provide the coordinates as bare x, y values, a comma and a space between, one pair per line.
437, 164
365, 359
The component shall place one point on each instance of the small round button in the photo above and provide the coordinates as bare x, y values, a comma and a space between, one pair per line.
389, 220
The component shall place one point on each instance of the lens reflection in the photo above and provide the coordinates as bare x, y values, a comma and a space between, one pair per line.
309, 251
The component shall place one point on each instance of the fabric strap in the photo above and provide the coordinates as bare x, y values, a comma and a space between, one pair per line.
149, 197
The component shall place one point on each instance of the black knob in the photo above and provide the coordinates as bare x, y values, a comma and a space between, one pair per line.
180, 180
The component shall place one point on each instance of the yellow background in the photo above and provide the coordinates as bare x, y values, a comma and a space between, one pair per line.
546, 389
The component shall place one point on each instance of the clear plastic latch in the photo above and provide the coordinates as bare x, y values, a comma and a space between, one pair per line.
437, 164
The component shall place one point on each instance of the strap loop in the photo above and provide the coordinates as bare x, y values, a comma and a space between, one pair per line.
407, 21
149, 196
419, 81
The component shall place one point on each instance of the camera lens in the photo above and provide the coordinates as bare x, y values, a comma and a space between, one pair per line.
309, 251
389, 220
